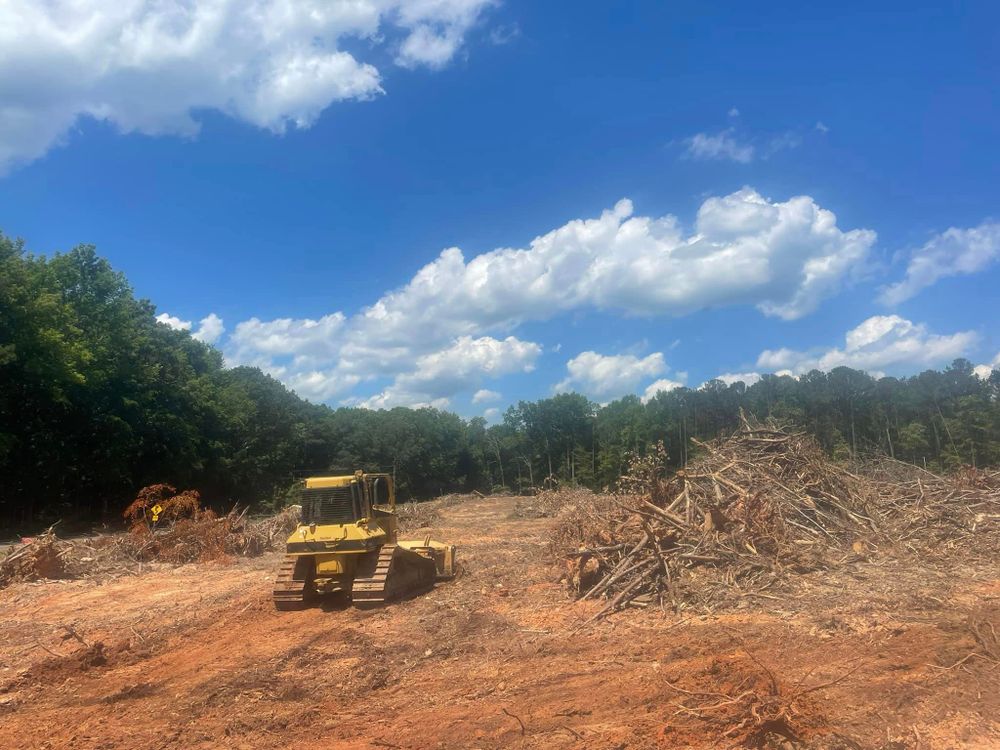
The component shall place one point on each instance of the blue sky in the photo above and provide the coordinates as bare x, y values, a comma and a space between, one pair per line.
805, 187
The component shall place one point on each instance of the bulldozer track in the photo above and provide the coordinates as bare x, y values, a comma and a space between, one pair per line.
393, 573
369, 587
291, 588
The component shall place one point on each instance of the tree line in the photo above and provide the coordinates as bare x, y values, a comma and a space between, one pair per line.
98, 399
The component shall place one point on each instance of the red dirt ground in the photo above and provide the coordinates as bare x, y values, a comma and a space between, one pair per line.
887, 655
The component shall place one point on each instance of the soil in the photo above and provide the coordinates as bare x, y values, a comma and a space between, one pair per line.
886, 653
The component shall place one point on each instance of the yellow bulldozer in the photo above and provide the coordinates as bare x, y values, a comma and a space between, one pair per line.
346, 541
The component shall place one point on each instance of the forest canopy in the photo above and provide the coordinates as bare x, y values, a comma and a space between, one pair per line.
98, 399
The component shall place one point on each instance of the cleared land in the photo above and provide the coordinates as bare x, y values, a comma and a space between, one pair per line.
880, 656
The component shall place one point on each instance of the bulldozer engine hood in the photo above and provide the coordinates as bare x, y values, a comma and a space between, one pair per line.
352, 537
315, 547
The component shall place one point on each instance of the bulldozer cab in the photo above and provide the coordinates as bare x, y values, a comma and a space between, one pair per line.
346, 499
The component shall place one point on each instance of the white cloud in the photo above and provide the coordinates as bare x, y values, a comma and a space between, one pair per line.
663, 384
782, 257
318, 385
390, 399
608, 376
491, 414
504, 34
313, 339
483, 396
440, 374
719, 147
146, 66
984, 371
436, 29
174, 322
733, 144
879, 343
951, 253
784, 141
210, 329
738, 377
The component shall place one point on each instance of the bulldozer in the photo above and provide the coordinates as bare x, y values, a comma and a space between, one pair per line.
347, 541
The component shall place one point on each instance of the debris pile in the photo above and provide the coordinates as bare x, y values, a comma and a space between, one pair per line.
934, 515
173, 527
421, 515
417, 515
754, 507
184, 532
208, 537
37, 557
552, 503
749, 508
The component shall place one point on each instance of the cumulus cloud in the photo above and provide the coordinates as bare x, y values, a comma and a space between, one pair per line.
436, 29
391, 398
315, 385
174, 322
607, 376
721, 146
146, 66
882, 342
483, 396
984, 371
663, 384
951, 253
210, 329
304, 337
440, 374
782, 257
749, 378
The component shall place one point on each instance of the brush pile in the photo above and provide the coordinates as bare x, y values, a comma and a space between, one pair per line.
192, 535
415, 515
422, 515
755, 507
36, 557
552, 503
933, 515
751, 507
